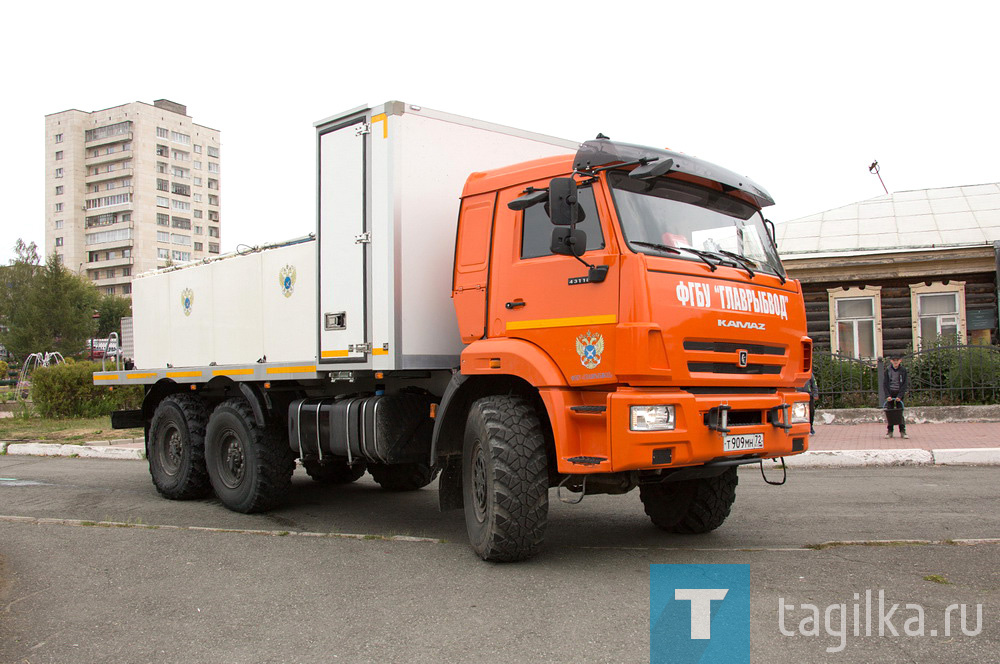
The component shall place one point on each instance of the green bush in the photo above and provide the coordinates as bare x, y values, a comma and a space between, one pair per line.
974, 375
4, 370
68, 390
845, 382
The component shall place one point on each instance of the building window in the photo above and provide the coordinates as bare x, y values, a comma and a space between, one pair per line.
213, 184
856, 322
162, 219
111, 290
177, 238
213, 152
198, 230
162, 132
161, 167
197, 213
59, 242
213, 167
178, 137
197, 182
938, 313
59, 138
180, 189
213, 247
162, 236
213, 231
59, 190
197, 198
126, 272
59, 224
181, 173
109, 236
213, 199
163, 253
162, 201
162, 185
111, 273
162, 151
59, 172
59, 155
181, 205
127, 289
197, 149
59, 207
181, 222
197, 165
181, 255
180, 155
198, 246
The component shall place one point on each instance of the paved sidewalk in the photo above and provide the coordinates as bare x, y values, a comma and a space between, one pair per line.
951, 435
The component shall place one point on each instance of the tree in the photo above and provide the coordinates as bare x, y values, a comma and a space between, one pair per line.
112, 309
45, 308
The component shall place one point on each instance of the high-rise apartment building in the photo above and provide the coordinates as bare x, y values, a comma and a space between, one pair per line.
129, 189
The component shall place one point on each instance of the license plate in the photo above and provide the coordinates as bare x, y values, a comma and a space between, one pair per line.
743, 441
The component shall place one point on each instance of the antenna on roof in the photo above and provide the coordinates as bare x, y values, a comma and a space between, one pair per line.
874, 168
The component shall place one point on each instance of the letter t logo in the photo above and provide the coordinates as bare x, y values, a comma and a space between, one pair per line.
701, 608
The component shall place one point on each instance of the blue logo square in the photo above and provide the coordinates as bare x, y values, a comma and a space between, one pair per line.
699, 614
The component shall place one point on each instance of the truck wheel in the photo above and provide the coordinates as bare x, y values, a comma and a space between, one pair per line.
175, 448
690, 507
402, 476
334, 472
505, 481
250, 467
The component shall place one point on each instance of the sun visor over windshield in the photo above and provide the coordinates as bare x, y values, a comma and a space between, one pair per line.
602, 152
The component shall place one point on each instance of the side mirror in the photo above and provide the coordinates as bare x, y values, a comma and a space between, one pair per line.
564, 208
652, 170
568, 242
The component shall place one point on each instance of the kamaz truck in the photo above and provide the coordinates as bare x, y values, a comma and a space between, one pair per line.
501, 310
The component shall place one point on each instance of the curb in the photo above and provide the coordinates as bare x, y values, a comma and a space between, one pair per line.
982, 456
53, 449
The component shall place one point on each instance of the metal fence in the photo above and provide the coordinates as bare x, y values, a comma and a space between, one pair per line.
938, 376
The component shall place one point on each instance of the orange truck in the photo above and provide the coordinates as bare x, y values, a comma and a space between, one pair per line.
505, 311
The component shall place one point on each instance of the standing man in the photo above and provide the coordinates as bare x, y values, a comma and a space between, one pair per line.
897, 382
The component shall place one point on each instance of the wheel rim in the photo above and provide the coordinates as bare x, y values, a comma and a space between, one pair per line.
170, 451
479, 490
232, 460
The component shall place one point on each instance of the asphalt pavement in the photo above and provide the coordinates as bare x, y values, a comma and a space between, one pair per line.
96, 567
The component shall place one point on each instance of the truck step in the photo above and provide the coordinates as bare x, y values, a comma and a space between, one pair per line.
587, 460
588, 409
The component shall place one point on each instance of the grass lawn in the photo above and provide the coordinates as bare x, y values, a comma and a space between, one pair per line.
44, 430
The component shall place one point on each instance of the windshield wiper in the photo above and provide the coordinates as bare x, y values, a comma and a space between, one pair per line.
748, 264
678, 250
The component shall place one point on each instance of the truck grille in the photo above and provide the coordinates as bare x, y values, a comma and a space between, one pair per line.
727, 362
726, 368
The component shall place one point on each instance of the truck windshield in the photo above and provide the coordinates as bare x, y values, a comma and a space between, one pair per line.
688, 221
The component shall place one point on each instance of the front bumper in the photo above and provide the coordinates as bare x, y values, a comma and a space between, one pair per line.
697, 437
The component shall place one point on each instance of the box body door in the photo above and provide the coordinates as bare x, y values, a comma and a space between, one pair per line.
342, 247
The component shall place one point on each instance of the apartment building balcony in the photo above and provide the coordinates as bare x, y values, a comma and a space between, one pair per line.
109, 175
107, 140
121, 155
113, 263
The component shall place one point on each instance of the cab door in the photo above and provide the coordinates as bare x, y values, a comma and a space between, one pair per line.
545, 298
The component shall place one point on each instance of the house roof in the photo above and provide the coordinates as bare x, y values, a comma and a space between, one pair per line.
907, 220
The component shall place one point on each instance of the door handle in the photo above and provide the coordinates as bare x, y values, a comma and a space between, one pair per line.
515, 304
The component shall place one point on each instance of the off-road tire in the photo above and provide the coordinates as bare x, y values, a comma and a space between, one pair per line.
250, 467
402, 476
690, 507
175, 448
505, 480
336, 471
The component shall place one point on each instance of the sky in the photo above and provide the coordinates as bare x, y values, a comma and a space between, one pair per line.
801, 97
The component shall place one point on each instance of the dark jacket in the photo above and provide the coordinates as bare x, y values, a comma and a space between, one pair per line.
904, 381
810, 388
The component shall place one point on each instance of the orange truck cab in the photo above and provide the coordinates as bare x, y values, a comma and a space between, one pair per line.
639, 294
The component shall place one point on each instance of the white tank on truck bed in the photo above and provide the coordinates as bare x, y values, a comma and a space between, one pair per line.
373, 290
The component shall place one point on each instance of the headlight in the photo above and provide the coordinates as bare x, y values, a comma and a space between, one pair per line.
652, 418
800, 412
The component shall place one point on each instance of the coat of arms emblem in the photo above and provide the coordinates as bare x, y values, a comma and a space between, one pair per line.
187, 300
589, 347
286, 277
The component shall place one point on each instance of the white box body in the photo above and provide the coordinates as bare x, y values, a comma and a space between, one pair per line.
373, 291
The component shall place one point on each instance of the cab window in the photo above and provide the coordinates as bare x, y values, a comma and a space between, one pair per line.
536, 231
